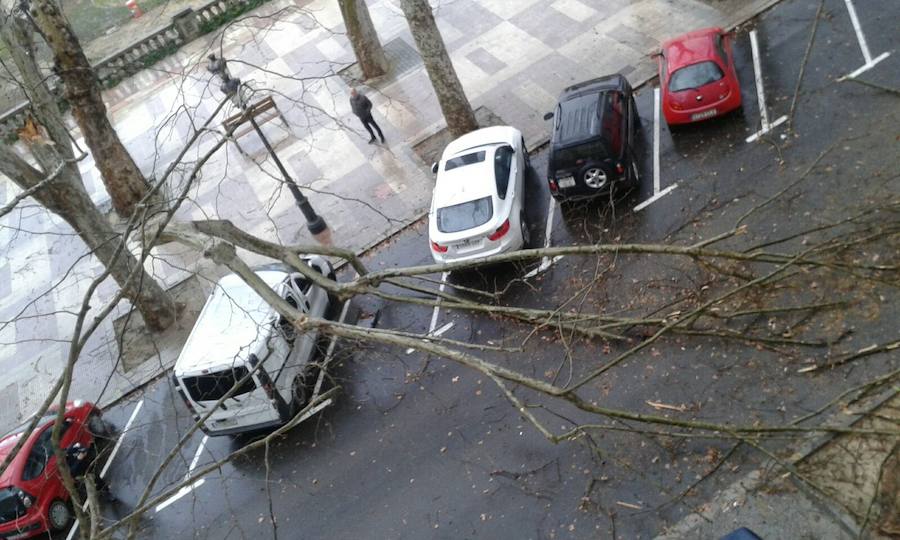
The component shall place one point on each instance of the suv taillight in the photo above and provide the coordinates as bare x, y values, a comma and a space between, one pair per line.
498, 234
552, 183
439, 248
620, 168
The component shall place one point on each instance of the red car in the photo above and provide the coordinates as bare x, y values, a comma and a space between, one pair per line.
32, 497
697, 76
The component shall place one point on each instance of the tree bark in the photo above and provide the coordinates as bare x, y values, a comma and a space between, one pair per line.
455, 105
65, 195
67, 198
121, 176
363, 37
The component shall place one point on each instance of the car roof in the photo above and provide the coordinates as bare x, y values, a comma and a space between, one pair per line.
690, 48
594, 86
469, 182
231, 322
578, 109
479, 137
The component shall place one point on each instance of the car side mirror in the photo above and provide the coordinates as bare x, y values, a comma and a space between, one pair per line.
548, 116
434, 167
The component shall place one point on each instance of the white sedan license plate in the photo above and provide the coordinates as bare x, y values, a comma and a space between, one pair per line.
705, 114
566, 181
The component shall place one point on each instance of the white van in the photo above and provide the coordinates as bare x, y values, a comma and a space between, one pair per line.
240, 342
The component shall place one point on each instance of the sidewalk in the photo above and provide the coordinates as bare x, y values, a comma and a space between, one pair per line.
512, 58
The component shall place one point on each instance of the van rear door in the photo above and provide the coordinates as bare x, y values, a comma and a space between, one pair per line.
247, 406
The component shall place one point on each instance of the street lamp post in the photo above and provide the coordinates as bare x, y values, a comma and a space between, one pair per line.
231, 86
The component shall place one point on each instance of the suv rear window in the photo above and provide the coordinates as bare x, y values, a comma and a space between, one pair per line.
213, 386
566, 157
695, 76
11, 506
465, 159
467, 215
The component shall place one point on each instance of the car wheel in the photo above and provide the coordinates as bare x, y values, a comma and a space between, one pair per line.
302, 387
58, 515
526, 231
594, 176
300, 392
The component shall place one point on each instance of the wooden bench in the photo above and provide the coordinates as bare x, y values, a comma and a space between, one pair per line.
262, 111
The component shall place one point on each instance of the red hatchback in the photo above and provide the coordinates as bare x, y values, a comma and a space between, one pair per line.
697, 76
32, 497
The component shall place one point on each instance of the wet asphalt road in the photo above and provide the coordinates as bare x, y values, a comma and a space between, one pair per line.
423, 448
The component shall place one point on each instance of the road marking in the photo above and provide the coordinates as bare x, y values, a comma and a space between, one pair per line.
657, 194
760, 94
867, 56
187, 489
434, 314
329, 352
437, 333
112, 455
546, 262
859, 33
656, 140
437, 309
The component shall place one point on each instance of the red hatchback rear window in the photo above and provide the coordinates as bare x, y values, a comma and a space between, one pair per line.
695, 76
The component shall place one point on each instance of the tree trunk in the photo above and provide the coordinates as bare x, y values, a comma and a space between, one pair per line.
455, 105
123, 180
66, 196
363, 37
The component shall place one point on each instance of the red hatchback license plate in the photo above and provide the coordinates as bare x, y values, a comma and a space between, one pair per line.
703, 115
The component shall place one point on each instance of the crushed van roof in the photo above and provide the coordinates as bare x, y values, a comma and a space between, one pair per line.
231, 322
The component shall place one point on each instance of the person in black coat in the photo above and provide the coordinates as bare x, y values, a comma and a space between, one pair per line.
362, 108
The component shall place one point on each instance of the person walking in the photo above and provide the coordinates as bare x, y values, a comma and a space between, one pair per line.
362, 108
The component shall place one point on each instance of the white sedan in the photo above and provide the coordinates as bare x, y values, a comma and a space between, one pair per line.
477, 209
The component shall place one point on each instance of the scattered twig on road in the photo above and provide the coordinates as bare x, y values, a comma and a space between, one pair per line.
873, 85
862, 353
809, 44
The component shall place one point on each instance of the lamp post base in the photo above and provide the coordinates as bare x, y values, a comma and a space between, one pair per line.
316, 225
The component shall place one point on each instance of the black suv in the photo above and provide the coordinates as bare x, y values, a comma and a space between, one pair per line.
592, 147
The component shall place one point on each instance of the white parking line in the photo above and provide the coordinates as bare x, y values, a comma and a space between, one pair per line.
867, 56
187, 489
329, 352
112, 455
657, 194
546, 262
437, 309
435, 312
760, 94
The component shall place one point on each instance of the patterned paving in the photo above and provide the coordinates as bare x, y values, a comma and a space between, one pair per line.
512, 56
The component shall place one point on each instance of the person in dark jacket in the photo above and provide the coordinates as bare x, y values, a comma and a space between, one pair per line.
362, 108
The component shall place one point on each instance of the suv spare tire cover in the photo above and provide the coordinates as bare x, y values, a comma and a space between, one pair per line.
595, 174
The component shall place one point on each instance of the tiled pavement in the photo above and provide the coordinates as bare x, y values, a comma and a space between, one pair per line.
512, 56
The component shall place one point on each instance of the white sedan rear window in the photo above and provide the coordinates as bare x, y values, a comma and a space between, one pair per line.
465, 159
467, 215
